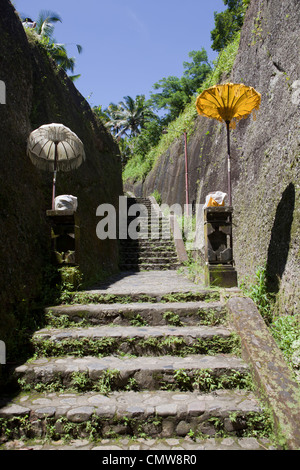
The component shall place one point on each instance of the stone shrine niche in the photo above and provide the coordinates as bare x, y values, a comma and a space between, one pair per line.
65, 234
219, 263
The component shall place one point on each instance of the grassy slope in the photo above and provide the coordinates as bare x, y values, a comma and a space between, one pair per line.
139, 166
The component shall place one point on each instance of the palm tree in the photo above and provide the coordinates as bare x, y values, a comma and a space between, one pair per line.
129, 116
112, 119
44, 30
45, 23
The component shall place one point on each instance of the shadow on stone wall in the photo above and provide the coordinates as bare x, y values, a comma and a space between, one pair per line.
280, 239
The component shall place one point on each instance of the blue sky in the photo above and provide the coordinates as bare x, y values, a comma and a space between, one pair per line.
128, 45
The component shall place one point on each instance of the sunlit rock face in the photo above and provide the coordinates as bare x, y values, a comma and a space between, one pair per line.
265, 153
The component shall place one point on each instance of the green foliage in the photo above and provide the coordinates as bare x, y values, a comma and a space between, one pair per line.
43, 34
172, 318
205, 380
193, 269
106, 382
258, 292
176, 92
139, 165
138, 321
228, 23
156, 194
286, 332
223, 64
129, 115
147, 138
285, 329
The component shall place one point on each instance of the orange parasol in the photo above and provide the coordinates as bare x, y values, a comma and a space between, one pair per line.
228, 103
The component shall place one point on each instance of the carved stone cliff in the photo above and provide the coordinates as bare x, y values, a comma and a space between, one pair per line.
265, 153
36, 94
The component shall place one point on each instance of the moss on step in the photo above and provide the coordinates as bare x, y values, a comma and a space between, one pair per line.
86, 297
249, 424
152, 346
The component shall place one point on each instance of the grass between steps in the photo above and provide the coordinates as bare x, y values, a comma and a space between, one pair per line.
202, 380
70, 296
251, 424
152, 346
207, 316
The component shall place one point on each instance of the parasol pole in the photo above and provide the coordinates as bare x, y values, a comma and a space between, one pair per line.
228, 162
186, 175
54, 175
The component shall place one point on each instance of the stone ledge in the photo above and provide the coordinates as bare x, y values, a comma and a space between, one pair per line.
129, 444
271, 372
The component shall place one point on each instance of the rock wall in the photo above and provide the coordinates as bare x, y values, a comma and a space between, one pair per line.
37, 93
265, 153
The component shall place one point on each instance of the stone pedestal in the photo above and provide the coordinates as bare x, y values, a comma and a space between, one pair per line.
219, 263
65, 234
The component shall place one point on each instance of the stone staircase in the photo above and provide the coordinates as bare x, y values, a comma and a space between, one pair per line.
146, 361
154, 246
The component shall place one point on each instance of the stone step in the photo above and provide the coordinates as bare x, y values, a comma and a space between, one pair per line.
145, 243
159, 313
131, 255
156, 414
132, 258
150, 252
138, 259
148, 248
141, 201
155, 219
154, 249
152, 226
149, 223
148, 294
149, 266
187, 443
136, 340
111, 373
152, 236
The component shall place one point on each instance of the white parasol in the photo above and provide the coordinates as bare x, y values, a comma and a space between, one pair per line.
54, 147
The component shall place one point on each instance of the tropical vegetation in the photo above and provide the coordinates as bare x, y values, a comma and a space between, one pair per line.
176, 92
228, 23
144, 129
140, 163
42, 31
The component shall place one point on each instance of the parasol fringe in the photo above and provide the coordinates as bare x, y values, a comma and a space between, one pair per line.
48, 165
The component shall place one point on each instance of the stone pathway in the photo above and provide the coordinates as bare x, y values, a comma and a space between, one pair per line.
157, 283
153, 367
167, 417
150, 244
150, 445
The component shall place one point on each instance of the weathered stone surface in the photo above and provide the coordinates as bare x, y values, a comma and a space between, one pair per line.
270, 369
149, 372
47, 411
155, 406
13, 410
81, 414
156, 283
149, 444
122, 314
265, 154
37, 93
